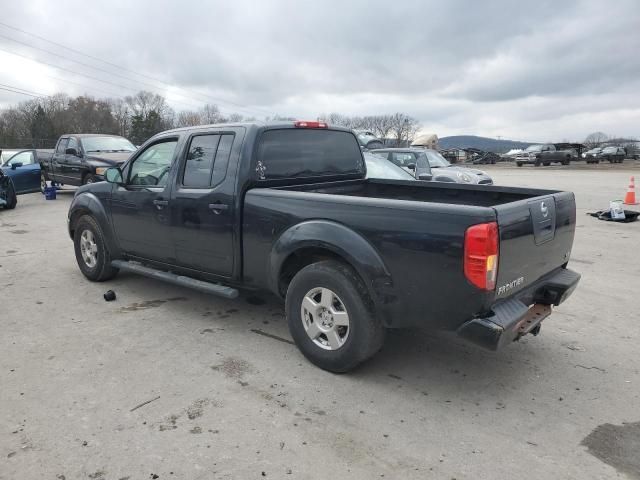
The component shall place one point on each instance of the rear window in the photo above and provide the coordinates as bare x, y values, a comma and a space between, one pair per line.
299, 153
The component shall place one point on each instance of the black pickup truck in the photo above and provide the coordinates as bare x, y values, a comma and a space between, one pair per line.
79, 159
285, 207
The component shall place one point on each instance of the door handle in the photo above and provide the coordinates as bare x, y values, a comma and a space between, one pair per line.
218, 207
160, 204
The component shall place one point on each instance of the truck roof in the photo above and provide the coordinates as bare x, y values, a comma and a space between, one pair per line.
86, 135
254, 124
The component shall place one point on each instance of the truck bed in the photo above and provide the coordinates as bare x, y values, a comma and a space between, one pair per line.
432, 192
418, 230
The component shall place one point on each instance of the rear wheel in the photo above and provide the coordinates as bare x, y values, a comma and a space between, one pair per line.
92, 254
519, 164
331, 317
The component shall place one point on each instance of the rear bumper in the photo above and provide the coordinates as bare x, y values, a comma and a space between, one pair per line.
513, 317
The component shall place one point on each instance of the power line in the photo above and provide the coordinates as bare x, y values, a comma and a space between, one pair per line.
85, 75
84, 65
23, 91
237, 105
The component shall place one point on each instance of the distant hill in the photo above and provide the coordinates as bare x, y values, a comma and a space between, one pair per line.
483, 143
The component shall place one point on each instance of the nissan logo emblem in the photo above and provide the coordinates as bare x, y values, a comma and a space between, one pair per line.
544, 209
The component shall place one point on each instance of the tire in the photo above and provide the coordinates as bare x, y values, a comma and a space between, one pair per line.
43, 181
519, 164
88, 235
12, 198
88, 178
546, 164
566, 161
312, 287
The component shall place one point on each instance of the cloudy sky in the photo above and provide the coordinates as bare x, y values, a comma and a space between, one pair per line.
546, 71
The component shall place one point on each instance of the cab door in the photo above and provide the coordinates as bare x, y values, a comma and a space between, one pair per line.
58, 160
24, 171
202, 208
140, 208
72, 167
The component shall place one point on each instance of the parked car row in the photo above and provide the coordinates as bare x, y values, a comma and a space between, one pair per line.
545, 154
610, 154
76, 160
430, 165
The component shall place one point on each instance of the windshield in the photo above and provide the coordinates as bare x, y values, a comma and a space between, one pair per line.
534, 148
595, 150
610, 149
435, 159
378, 167
365, 137
107, 144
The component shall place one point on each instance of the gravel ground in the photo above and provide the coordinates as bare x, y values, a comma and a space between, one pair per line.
228, 396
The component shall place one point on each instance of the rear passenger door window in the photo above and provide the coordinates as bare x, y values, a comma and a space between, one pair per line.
207, 160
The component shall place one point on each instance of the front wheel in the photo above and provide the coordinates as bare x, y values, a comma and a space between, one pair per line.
331, 317
88, 179
12, 198
92, 254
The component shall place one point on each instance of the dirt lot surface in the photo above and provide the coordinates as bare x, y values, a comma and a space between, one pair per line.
228, 396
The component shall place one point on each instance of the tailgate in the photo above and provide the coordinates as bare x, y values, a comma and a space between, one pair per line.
536, 236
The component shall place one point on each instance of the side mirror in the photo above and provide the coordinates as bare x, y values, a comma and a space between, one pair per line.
113, 175
425, 177
16, 165
71, 151
411, 166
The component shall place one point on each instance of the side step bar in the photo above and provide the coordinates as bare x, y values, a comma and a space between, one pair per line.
206, 287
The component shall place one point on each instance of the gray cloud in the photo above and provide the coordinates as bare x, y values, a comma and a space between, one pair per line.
537, 70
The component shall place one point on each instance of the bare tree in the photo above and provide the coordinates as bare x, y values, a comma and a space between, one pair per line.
210, 113
120, 113
595, 139
404, 128
235, 118
189, 118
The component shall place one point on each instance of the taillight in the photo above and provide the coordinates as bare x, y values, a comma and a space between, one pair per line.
305, 124
481, 255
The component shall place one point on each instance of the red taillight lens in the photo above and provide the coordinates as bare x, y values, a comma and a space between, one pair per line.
305, 124
481, 255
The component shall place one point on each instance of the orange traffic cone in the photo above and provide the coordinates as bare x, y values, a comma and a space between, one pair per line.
630, 197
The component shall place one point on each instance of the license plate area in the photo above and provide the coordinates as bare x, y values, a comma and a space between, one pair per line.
543, 217
537, 312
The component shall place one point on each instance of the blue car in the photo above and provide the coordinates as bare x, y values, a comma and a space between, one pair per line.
23, 168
